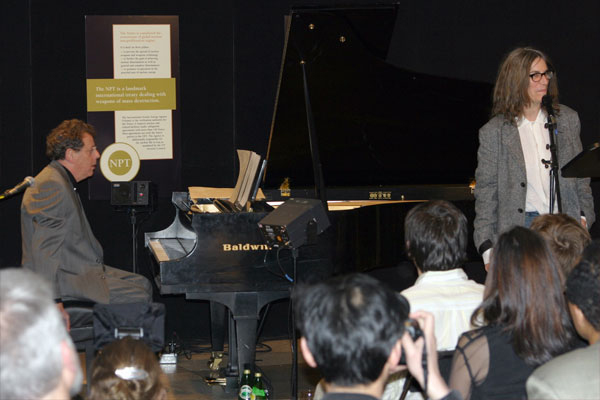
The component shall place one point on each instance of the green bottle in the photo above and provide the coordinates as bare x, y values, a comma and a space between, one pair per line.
245, 386
258, 390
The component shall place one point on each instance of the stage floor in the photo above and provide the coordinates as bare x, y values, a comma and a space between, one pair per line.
186, 379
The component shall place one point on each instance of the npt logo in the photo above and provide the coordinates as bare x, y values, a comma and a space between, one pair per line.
120, 162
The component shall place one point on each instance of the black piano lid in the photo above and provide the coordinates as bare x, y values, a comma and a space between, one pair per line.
377, 125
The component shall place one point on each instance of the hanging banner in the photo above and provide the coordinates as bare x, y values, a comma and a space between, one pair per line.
132, 94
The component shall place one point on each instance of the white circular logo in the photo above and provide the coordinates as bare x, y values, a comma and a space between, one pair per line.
119, 162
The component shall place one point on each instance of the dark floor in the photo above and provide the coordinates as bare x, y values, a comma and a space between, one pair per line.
187, 378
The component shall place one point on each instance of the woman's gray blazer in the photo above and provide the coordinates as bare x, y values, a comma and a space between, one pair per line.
501, 180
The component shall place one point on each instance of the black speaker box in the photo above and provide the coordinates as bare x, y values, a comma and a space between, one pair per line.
294, 223
133, 193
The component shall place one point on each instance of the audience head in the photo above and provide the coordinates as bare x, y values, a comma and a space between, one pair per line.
524, 294
37, 357
68, 135
350, 325
583, 291
436, 236
566, 237
126, 369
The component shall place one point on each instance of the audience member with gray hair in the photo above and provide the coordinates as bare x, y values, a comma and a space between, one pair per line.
37, 356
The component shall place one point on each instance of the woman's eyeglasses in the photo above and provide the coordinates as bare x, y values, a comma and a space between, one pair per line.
537, 76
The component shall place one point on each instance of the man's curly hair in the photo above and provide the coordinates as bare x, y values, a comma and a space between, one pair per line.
583, 284
65, 136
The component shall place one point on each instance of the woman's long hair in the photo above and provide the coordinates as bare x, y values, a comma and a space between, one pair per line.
524, 295
510, 95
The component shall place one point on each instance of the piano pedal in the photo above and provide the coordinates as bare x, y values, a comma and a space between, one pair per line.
212, 380
216, 358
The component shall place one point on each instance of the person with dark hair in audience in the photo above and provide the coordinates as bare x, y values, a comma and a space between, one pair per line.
436, 241
57, 239
525, 318
37, 357
126, 369
351, 328
576, 375
566, 237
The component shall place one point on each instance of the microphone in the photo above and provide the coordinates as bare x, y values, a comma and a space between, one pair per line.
28, 181
547, 103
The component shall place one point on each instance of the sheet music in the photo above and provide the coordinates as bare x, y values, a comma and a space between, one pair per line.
249, 163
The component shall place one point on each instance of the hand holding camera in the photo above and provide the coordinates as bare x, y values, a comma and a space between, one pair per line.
419, 350
414, 331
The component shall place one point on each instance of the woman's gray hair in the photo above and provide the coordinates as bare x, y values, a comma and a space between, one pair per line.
31, 332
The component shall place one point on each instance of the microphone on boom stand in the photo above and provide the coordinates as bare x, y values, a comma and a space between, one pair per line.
547, 104
552, 131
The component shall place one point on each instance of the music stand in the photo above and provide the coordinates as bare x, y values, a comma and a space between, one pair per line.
584, 165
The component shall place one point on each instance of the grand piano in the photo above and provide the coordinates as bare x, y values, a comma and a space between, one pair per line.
366, 137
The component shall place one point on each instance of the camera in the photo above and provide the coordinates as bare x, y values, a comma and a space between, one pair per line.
415, 332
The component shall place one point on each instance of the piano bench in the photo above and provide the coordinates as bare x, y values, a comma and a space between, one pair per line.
82, 330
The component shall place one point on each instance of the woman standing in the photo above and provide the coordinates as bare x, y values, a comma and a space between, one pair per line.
512, 182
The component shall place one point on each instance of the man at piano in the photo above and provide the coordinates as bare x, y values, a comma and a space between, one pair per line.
512, 180
57, 240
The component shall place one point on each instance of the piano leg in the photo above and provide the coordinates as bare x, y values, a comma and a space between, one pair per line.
218, 319
245, 308
232, 360
246, 342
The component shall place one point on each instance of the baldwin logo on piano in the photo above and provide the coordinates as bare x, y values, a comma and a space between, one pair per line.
245, 247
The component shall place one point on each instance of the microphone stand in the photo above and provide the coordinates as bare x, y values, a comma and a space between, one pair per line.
554, 185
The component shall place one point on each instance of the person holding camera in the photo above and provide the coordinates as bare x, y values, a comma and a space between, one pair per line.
351, 327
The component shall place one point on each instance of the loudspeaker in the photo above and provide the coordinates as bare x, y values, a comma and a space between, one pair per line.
133, 193
294, 223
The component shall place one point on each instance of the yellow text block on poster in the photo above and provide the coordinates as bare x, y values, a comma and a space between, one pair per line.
131, 94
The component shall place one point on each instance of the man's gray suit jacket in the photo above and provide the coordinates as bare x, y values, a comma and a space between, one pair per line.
574, 375
57, 239
501, 180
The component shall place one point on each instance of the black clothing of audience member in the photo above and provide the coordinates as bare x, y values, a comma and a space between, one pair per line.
526, 318
507, 372
348, 396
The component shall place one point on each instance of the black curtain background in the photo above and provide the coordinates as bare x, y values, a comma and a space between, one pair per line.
230, 54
